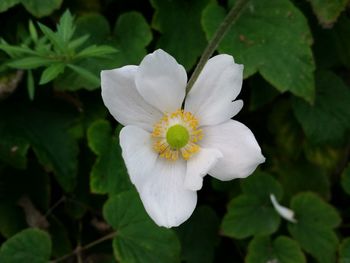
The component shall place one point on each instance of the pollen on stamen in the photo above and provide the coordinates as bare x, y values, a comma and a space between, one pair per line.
184, 127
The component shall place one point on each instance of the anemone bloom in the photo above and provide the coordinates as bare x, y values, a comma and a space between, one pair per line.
171, 141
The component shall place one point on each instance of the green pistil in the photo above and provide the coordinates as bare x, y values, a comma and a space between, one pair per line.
177, 136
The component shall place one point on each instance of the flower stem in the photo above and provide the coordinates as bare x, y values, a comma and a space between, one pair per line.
80, 249
229, 20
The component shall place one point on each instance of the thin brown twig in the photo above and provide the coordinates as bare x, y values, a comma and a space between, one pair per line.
79, 249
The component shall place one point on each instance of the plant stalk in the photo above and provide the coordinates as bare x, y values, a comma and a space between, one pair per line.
229, 20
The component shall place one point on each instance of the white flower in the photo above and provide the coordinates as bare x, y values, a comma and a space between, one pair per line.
168, 150
284, 212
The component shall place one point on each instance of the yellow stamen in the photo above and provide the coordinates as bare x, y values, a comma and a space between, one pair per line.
183, 135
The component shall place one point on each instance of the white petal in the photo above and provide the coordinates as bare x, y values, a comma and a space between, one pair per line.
241, 152
159, 182
210, 98
138, 154
284, 212
199, 165
161, 81
164, 196
123, 101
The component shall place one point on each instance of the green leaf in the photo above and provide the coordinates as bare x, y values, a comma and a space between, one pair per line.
259, 40
131, 34
182, 34
327, 11
252, 212
29, 62
15, 50
51, 72
78, 42
30, 85
30, 245
66, 27
261, 185
138, 238
344, 251
53, 37
95, 26
282, 250
88, 75
328, 120
199, 236
46, 129
345, 179
33, 32
96, 51
41, 8
109, 174
314, 229
6, 4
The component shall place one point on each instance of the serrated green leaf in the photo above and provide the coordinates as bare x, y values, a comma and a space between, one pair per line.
95, 26
88, 75
66, 27
261, 185
130, 37
199, 236
96, 51
344, 251
282, 250
314, 228
53, 37
345, 179
51, 72
29, 62
182, 34
252, 212
328, 120
109, 174
40, 8
30, 245
259, 40
131, 34
327, 11
138, 239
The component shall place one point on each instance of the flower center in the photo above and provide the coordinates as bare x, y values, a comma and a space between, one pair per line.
176, 135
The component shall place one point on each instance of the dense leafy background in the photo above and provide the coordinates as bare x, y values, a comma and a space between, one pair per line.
63, 183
